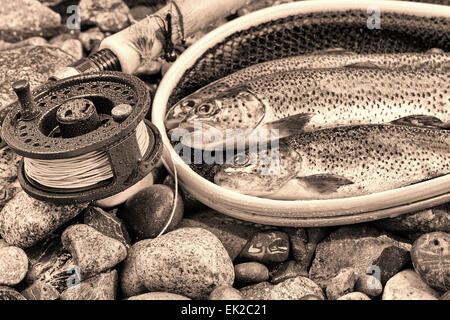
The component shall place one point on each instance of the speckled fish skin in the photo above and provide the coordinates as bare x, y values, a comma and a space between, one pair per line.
334, 97
407, 61
344, 162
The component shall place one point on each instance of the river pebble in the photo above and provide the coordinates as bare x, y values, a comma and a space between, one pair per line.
288, 269
100, 287
108, 224
267, 247
159, 296
7, 293
13, 265
92, 251
354, 296
40, 291
390, 261
251, 272
25, 221
413, 225
130, 282
407, 285
234, 234
91, 38
225, 293
369, 284
148, 211
187, 261
295, 289
108, 15
341, 284
259, 291
350, 246
431, 259
21, 19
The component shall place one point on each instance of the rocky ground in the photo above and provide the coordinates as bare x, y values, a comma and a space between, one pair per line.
77, 252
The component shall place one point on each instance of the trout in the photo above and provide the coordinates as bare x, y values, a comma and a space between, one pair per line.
332, 59
307, 100
339, 162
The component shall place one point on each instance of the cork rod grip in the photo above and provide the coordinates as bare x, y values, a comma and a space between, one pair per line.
195, 15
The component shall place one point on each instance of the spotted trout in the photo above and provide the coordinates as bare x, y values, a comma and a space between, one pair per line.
320, 60
340, 162
307, 100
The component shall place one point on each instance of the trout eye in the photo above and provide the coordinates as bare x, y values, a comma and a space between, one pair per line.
204, 109
241, 159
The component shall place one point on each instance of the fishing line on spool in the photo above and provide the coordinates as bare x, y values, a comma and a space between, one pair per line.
81, 171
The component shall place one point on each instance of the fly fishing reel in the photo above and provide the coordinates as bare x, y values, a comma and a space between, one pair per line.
83, 138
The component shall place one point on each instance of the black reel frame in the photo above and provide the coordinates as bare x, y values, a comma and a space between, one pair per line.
39, 138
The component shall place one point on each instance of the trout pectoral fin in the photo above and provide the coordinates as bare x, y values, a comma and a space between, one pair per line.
290, 125
325, 183
363, 65
421, 121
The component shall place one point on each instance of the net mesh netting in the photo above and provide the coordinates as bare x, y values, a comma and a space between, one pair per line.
302, 34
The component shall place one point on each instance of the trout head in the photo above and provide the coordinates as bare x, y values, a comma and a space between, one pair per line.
260, 173
213, 120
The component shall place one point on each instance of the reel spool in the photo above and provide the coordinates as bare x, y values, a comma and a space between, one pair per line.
80, 120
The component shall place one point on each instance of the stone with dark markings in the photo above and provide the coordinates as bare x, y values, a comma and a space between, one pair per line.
430, 256
445, 296
43, 256
267, 247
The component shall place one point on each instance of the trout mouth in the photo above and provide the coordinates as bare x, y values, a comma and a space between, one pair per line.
178, 113
197, 135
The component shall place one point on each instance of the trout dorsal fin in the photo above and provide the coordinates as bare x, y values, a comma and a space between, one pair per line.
325, 183
362, 65
332, 51
422, 121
